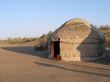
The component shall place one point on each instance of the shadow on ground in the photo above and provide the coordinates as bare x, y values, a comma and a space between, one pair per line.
28, 50
71, 69
105, 61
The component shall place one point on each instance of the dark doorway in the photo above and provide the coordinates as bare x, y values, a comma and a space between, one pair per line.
56, 48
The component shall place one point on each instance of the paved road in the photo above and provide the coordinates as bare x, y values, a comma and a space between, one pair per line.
23, 64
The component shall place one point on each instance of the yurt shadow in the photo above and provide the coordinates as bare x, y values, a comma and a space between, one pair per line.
71, 69
92, 47
27, 50
93, 51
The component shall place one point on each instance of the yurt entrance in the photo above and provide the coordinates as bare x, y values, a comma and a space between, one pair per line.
55, 46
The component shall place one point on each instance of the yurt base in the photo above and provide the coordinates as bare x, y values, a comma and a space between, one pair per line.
83, 59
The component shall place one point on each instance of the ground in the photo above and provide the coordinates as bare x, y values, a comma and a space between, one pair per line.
24, 64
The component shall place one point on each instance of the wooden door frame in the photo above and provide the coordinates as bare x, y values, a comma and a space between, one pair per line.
52, 48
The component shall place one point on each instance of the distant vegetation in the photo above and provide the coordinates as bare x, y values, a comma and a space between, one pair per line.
19, 40
106, 30
40, 42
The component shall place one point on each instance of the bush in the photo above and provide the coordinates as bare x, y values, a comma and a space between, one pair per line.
19, 40
39, 47
106, 30
42, 41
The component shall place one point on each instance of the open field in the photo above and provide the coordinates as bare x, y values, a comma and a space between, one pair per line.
20, 63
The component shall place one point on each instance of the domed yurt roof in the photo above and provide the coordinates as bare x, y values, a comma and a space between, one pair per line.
77, 20
78, 28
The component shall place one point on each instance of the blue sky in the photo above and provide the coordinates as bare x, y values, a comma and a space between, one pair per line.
26, 18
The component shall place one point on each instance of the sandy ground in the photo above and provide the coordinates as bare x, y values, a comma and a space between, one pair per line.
23, 64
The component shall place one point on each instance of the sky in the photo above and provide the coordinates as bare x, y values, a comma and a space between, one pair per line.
32, 18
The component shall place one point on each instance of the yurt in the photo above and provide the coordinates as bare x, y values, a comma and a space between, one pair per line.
77, 40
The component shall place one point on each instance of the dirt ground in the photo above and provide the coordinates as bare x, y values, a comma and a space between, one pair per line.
23, 64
